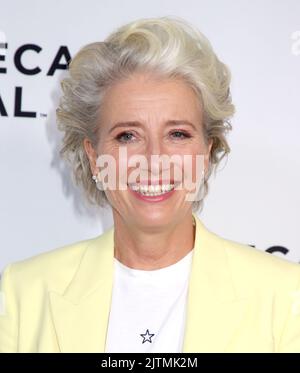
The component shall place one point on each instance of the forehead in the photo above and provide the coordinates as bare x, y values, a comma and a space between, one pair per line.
142, 92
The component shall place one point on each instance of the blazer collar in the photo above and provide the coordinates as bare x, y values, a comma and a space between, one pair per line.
81, 313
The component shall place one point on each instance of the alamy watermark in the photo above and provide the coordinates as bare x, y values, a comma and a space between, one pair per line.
185, 172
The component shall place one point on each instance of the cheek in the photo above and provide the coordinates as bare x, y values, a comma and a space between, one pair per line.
108, 147
193, 163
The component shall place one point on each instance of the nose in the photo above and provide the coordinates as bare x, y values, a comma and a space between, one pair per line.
155, 149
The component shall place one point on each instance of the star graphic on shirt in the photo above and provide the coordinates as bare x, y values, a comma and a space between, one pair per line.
147, 336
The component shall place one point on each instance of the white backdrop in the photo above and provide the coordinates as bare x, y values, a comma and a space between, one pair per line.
255, 197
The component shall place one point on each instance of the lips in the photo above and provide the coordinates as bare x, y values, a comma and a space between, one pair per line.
152, 193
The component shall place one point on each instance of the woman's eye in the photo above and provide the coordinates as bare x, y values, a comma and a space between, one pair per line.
180, 135
124, 137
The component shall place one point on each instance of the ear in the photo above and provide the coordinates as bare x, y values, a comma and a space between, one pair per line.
91, 154
207, 155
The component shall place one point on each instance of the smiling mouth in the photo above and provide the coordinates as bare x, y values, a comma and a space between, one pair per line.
152, 190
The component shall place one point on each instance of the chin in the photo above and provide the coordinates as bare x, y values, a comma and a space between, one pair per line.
147, 217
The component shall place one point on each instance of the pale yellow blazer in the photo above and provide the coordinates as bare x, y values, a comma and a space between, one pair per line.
240, 299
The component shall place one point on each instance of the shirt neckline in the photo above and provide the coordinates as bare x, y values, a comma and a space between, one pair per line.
175, 267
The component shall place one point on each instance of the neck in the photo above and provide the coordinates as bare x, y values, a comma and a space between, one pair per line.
147, 249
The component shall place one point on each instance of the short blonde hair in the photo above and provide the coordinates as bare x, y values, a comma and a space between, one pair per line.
167, 46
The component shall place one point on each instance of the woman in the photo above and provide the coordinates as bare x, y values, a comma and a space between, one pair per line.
158, 280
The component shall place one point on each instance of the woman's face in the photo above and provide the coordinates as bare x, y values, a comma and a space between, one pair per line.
161, 111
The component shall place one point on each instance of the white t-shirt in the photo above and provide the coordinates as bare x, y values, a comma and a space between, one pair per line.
148, 308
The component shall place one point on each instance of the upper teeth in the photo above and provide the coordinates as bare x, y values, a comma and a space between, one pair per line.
152, 188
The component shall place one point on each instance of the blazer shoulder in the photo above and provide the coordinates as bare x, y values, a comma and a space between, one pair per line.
53, 269
251, 266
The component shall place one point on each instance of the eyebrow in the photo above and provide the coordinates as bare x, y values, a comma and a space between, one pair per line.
138, 124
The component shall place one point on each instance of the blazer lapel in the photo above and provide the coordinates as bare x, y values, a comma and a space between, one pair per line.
81, 314
213, 309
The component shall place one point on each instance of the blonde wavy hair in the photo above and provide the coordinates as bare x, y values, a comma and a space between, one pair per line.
167, 46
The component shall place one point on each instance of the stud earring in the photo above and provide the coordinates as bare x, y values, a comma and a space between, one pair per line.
99, 184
